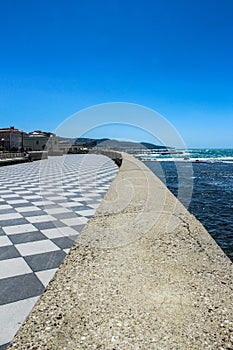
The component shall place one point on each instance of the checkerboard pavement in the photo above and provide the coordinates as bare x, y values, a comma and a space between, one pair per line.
43, 207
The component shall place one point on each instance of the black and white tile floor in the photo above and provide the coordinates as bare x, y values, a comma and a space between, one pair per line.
43, 207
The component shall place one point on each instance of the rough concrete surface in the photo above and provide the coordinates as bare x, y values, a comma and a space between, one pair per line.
144, 274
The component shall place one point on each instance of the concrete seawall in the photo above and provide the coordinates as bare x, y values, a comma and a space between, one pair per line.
16, 158
144, 274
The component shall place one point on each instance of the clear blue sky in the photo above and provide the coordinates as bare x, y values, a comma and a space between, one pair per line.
174, 56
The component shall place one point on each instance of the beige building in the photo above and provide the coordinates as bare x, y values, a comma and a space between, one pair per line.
11, 138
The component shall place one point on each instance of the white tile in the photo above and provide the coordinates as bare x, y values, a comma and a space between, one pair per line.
75, 221
40, 218
9, 195
92, 195
11, 230
86, 212
94, 206
41, 202
58, 210
10, 216
55, 198
27, 209
12, 316
45, 192
34, 197
5, 206
46, 276
4, 241
81, 199
32, 248
17, 201
22, 192
71, 204
13, 267
59, 232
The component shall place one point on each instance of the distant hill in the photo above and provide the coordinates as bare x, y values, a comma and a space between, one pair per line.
111, 143
152, 146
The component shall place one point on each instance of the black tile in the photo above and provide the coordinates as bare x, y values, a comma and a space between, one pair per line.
48, 195
86, 207
4, 346
64, 242
12, 198
7, 211
33, 213
83, 207
8, 252
17, 205
6, 192
58, 224
27, 237
73, 208
19, 288
45, 261
78, 228
50, 206
44, 225
57, 200
62, 216
20, 221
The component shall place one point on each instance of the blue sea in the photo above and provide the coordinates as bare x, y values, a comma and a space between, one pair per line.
203, 180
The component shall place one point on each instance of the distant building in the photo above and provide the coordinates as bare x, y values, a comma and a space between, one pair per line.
69, 146
11, 138
40, 141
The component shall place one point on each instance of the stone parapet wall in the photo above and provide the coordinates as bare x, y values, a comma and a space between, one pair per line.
143, 274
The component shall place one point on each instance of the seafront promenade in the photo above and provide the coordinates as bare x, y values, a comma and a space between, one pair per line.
143, 274
43, 207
